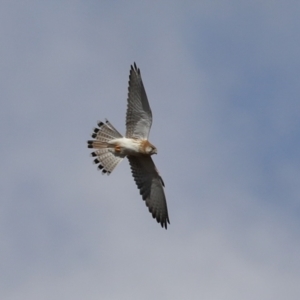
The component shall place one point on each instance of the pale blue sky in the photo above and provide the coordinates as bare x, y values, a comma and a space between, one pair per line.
222, 78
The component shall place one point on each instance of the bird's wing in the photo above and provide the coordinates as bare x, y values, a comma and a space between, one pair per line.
151, 186
139, 115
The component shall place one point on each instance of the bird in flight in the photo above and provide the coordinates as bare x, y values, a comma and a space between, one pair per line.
110, 148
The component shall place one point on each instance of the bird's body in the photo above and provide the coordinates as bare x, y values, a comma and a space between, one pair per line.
126, 146
111, 147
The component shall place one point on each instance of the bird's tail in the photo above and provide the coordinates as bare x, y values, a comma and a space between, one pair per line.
104, 156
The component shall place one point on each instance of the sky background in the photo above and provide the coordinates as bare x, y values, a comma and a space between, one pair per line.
222, 78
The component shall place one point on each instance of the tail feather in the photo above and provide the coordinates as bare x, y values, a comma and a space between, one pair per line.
104, 156
105, 132
106, 160
97, 144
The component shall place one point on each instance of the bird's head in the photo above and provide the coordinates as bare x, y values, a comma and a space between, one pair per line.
150, 149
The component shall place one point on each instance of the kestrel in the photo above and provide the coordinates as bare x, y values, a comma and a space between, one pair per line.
111, 147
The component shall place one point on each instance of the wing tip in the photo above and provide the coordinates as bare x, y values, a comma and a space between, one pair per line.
162, 220
135, 68
164, 223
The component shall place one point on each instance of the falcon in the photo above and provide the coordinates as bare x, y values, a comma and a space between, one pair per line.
110, 148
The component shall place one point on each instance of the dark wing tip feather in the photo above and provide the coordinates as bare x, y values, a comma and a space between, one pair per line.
135, 68
164, 223
163, 220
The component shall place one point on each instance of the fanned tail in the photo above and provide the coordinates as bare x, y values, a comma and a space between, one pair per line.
104, 156
105, 132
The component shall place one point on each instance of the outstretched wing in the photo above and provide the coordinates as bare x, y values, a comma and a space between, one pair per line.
139, 115
151, 186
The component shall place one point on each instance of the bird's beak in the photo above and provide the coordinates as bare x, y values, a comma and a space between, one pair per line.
155, 151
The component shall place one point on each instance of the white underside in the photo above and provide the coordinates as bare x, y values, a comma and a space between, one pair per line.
128, 146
